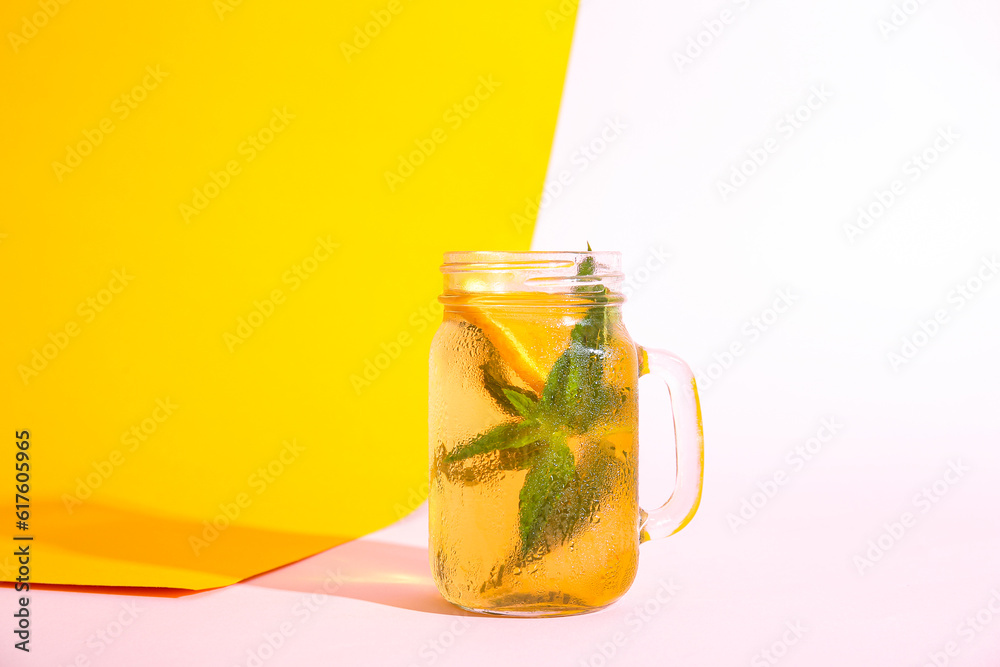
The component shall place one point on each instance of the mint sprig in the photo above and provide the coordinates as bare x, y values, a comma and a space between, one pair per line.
558, 496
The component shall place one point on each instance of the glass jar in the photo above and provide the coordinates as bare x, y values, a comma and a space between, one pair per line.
533, 494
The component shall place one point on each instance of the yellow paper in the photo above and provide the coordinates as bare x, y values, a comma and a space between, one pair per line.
220, 231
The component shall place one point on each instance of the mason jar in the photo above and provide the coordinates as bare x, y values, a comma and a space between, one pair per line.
533, 419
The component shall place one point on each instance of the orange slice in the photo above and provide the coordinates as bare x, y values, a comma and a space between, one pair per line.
514, 348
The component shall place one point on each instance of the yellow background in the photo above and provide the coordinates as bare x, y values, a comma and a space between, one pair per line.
224, 69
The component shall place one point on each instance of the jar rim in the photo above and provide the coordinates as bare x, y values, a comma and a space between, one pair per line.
501, 274
464, 260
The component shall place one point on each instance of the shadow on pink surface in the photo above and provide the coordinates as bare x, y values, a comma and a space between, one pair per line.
396, 575
120, 537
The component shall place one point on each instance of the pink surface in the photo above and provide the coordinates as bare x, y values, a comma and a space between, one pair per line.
784, 583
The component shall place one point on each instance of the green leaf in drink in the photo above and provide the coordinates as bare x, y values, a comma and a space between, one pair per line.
525, 405
544, 485
505, 436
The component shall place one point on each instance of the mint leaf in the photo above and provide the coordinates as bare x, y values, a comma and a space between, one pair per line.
498, 390
596, 472
525, 405
521, 457
553, 394
544, 484
504, 436
576, 394
490, 465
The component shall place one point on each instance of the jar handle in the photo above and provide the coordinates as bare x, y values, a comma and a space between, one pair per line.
680, 508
